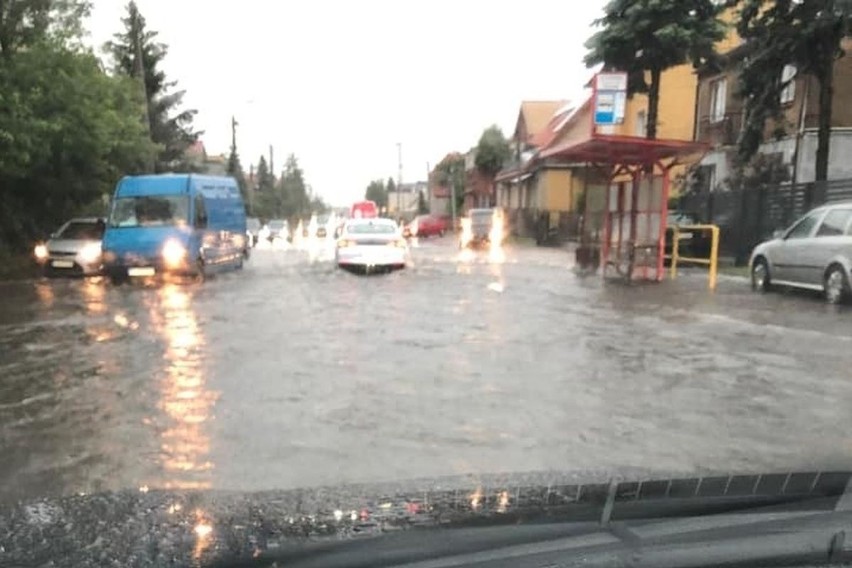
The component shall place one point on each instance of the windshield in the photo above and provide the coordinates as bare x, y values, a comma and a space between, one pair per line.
371, 228
494, 272
150, 211
82, 230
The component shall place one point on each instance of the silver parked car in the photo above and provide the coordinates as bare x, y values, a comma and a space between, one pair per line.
75, 249
815, 253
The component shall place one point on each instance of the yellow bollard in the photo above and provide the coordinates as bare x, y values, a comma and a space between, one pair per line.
675, 242
714, 257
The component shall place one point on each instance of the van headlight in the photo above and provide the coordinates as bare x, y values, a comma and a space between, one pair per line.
90, 253
174, 253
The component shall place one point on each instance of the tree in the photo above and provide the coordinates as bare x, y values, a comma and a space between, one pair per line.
24, 23
645, 37
294, 192
422, 204
377, 192
450, 173
68, 132
136, 53
270, 198
265, 181
492, 151
806, 35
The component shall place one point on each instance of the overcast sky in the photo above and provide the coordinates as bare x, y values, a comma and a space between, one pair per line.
340, 82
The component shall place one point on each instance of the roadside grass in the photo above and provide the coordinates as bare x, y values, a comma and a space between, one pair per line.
17, 266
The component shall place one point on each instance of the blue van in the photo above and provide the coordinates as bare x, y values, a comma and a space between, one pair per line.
184, 224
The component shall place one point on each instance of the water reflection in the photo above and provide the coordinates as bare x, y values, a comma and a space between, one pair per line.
184, 397
44, 292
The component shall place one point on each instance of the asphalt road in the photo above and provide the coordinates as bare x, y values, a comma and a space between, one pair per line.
292, 373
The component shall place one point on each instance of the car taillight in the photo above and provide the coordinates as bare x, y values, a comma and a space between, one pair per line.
397, 243
343, 243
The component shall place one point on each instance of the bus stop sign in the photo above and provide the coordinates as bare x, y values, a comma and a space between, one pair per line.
610, 98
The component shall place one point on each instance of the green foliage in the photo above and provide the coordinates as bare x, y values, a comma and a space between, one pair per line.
290, 197
26, 23
645, 37
780, 32
450, 171
67, 133
761, 170
492, 151
378, 192
136, 53
235, 170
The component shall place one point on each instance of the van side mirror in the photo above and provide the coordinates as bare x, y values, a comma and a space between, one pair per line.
779, 234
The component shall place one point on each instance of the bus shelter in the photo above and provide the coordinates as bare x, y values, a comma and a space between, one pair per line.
626, 187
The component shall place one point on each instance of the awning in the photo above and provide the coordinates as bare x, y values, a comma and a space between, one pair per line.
623, 150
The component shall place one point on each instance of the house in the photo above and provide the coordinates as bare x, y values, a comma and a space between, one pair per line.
720, 120
527, 193
439, 200
197, 158
478, 187
441, 190
403, 200
543, 189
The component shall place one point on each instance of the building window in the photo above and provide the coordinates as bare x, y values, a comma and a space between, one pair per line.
788, 76
641, 123
718, 98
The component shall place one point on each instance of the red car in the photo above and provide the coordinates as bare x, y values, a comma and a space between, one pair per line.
364, 210
426, 226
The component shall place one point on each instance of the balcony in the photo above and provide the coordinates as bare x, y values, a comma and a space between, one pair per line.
720, 132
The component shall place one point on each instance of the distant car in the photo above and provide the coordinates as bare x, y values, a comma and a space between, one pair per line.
75, 249
426, 226
364, 210
322, 226
278, 229
253, 227
481, 225
371, 243
694, 243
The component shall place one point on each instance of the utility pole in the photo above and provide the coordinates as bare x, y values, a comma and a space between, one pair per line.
453, 193
399, 178
139, 72
271, 162
429, 186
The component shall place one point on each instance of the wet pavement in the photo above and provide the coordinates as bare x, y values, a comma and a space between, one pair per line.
292, 373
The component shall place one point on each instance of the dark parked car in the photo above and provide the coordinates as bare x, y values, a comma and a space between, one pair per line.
694, 243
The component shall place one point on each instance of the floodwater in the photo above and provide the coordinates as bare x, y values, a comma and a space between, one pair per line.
292, 373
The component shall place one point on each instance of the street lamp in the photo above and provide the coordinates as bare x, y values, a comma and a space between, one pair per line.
399, 178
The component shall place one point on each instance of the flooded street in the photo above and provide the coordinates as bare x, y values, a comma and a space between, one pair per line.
293, 373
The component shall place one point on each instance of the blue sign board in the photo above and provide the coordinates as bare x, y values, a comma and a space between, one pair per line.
610, 98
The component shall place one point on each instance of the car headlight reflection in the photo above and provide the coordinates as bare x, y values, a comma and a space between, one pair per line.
174, 253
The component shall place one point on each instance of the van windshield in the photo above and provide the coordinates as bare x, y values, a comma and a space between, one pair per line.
150, 211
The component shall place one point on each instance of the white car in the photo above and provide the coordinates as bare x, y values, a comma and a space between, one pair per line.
371, 243
75, 249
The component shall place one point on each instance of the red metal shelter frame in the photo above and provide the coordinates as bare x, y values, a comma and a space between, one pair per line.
639, 158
